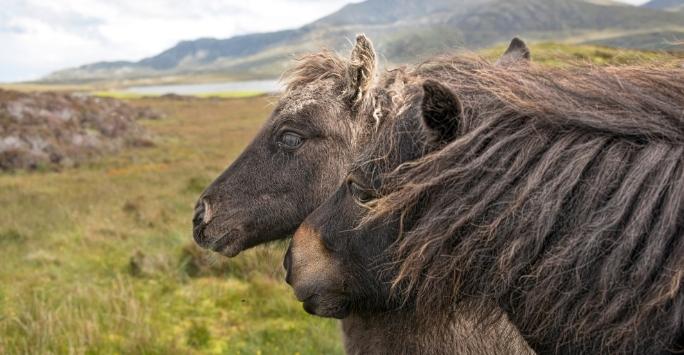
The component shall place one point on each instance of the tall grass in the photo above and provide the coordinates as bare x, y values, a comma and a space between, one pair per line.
99, 259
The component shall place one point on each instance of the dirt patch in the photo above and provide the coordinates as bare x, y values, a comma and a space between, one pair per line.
58, 129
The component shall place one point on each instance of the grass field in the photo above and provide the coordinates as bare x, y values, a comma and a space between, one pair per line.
99, 258
560, 54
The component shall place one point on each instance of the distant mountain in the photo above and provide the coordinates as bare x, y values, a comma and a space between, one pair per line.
405, 31
555, 19
378, 12
666, 5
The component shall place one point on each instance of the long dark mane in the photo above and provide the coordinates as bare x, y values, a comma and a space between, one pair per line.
562, 199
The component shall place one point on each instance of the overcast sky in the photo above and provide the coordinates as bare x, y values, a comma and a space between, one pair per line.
40, 36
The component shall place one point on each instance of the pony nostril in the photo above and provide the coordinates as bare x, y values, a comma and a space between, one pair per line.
287, 264
199, 215
202, 213
207, 211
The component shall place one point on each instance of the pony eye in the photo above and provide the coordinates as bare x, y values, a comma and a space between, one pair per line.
291, 140
360, 193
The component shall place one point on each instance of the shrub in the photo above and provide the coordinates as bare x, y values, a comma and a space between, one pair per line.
263, 260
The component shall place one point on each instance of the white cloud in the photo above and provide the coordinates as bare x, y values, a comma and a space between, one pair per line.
38, 36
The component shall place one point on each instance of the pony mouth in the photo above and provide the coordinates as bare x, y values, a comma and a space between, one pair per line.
228, 245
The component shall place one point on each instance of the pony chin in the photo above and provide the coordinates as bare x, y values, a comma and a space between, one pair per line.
232, 250
327, 306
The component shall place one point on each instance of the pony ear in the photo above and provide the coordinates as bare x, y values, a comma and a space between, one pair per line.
361, 69
442, 111
517, 52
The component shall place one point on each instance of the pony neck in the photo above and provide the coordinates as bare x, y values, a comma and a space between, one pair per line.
403, 332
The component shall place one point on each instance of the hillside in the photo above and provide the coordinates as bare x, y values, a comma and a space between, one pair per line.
665, 40
405, 31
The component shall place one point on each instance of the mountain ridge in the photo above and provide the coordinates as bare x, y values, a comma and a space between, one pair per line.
406, 31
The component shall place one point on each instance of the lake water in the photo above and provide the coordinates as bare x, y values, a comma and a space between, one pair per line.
266, 86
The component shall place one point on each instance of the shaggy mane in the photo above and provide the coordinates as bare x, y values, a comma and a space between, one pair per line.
315, 67
562, 198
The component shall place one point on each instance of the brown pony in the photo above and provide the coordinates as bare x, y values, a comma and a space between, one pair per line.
326, 115
560, 197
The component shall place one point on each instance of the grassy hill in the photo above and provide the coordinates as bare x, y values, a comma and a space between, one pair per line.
560, 54
665, 40
404, 31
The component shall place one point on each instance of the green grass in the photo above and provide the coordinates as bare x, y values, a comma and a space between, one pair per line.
99, 259
559, 54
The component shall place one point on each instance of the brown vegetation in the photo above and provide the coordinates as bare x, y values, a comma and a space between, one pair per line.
58, 129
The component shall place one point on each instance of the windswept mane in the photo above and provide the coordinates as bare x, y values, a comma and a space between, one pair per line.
313, 67
562, 198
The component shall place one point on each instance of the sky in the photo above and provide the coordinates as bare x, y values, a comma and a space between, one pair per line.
39, 36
